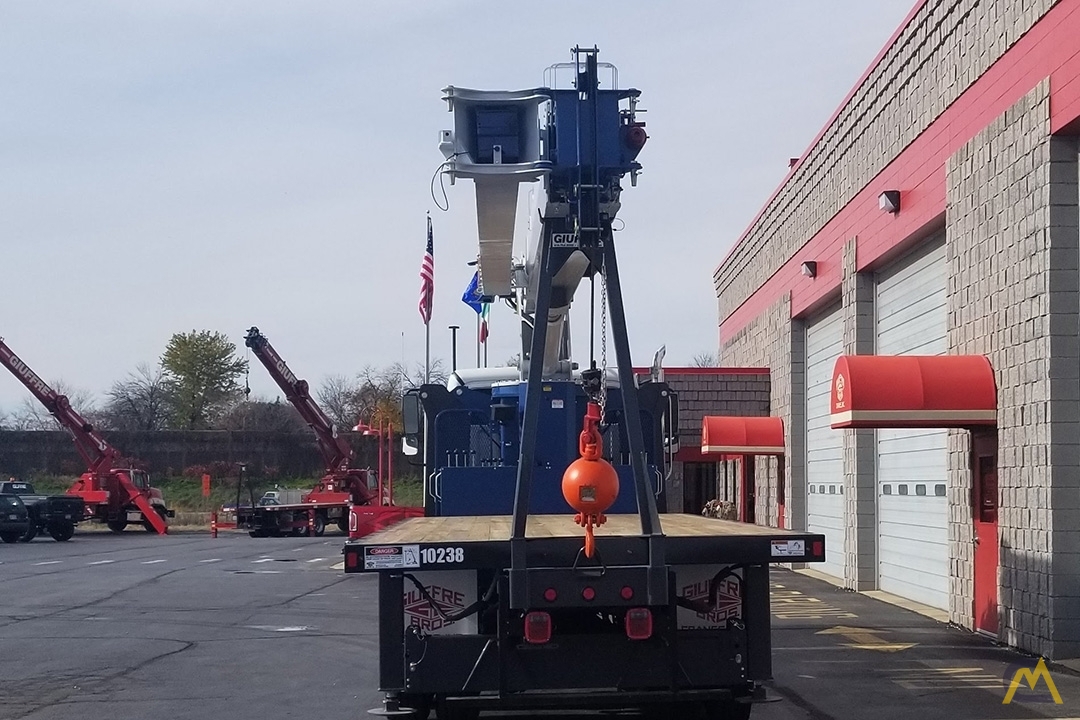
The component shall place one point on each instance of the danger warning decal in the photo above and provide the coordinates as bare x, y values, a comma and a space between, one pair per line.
388, 557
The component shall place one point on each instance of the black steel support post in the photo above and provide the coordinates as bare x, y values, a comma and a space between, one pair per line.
756, 615
646, 501
527, 456
391, 632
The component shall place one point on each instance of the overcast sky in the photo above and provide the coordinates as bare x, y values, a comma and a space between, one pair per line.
187, 164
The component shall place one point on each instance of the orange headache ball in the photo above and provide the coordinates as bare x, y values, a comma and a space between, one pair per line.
590, 486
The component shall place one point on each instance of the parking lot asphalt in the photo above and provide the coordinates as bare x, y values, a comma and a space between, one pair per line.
134, 626
183, 626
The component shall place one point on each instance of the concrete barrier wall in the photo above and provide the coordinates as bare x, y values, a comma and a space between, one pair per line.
24, 453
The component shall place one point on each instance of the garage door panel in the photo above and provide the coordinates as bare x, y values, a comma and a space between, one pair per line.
824, 446
912, 465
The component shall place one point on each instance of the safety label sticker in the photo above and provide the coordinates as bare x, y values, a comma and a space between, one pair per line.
788, 548
389, 557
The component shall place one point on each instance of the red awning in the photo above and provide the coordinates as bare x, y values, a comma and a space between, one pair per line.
727, 435
913, 391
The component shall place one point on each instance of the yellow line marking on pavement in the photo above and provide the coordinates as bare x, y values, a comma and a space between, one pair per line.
865, 639
945, 678
794, 605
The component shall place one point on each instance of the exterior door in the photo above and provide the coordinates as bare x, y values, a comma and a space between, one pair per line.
984, 512
749, 489
699, 485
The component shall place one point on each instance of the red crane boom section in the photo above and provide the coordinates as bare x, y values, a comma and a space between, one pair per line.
98, 454
335, 450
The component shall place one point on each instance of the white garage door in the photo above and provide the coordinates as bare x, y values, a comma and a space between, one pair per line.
824, 446
912, 465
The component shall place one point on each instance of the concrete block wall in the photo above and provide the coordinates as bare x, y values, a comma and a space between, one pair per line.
711, 393
1063, 409
716, 393
1013, 236
773, 341
860, 451
941, 52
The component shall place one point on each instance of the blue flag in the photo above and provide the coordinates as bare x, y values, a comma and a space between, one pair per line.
472, 297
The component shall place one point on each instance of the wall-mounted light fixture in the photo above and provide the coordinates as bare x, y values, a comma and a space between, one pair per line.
809, 268
889, 201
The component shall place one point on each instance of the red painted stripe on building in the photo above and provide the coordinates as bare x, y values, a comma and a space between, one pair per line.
1048, 50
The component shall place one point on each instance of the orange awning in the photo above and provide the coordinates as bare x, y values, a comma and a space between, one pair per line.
729, 435
913, 391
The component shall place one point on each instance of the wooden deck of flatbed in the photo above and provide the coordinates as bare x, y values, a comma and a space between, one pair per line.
551, 539
497, 527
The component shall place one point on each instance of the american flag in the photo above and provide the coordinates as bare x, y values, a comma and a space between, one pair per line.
427, 277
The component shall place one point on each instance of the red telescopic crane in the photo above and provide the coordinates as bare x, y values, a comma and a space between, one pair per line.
112, 493
341, 482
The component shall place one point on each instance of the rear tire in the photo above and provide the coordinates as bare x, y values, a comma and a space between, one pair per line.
11, 537
62, 531
117, 526
29, 534
318, 526
343, 525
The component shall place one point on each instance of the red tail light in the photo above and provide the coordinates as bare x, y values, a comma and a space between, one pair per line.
537, 628
817, 548
551, 595
352, 520
639, 623
588, 594
627, 593
350, 559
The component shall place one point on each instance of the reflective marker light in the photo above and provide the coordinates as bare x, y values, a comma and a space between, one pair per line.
817, 548
537, 628
627, 592
639, 623
350, 559
550, 595
588, 593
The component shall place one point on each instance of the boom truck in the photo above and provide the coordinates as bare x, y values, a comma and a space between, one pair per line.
112, 489
341, 488
544, 575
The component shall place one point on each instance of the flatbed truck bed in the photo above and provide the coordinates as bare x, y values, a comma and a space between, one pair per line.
450, 639
690, 539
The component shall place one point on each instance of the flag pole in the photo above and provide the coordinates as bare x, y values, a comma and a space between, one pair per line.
427, 353
477, 339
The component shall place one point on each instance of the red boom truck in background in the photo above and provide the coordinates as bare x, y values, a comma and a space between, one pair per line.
339, 491
112, 490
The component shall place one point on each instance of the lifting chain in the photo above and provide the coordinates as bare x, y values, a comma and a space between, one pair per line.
603, 341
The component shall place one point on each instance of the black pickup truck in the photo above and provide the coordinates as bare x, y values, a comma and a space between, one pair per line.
54, 514
14, 519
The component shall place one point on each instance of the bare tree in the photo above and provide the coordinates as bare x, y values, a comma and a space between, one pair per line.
705, 359
374, 394
339, 397
263, 415
32, 415
138, 402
